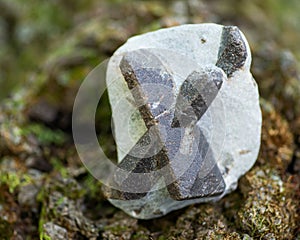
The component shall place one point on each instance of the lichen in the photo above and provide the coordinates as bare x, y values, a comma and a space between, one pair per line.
203, 222
60, 199
271, 199
124, 227
269, 209
277, 145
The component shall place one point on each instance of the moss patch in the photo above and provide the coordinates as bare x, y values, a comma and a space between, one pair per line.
44, 135
269, 210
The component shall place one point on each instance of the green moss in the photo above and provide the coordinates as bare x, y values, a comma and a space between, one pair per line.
142, 236
162, 238
44, 236
269, 208
42, 220
93, 186
121, 226
59, 167
68, 187
117, 230
207, 221
60, 201
14, 180
44, 135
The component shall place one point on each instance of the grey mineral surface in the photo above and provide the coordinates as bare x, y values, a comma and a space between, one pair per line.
186, 116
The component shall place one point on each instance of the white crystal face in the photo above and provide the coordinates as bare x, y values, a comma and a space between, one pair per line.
230, 126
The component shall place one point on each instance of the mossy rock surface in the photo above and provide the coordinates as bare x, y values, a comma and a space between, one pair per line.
46, 50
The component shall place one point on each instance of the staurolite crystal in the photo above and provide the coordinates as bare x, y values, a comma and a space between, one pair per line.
186, 118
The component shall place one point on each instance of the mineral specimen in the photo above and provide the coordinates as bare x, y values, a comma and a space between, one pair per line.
186, 118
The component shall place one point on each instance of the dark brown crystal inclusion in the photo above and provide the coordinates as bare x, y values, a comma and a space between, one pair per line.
168, 121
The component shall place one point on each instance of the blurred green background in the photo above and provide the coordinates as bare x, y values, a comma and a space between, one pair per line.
32, 30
